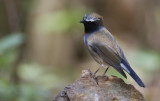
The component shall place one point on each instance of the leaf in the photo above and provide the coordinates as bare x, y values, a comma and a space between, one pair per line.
11, 41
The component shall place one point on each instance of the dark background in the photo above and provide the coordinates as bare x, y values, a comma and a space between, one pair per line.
42, 49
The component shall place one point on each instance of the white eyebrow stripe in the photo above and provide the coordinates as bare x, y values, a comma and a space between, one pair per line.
91, 19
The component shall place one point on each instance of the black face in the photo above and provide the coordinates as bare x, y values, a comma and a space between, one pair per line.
92, 25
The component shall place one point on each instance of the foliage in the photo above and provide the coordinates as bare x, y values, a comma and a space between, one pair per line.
11, 42
60, 21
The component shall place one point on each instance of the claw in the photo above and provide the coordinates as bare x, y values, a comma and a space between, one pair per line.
95, 79
93, 75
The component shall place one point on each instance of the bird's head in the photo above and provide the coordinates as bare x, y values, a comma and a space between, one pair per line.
92, 21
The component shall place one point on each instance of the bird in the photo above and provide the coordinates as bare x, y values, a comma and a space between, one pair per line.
103, 47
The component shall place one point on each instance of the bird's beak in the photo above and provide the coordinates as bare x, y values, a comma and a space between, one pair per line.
82, 21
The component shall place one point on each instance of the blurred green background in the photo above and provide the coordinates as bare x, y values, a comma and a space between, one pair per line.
42, 49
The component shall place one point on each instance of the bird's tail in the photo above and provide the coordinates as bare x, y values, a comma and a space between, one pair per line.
131, 72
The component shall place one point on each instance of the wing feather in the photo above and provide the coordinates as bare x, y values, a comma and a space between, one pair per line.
108, 56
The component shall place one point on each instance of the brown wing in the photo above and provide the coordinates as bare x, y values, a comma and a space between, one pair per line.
108, 56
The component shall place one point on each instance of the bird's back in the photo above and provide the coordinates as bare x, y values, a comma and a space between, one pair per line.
104, 37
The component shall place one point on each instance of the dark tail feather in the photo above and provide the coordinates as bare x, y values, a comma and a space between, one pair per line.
130, 71
120, 70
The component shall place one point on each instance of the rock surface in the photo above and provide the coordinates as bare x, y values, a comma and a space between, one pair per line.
100, 88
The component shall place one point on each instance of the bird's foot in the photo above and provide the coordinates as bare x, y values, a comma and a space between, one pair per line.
93, 77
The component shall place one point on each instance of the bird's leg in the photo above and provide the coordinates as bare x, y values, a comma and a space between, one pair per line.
96, 71
106, 71
94, 74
